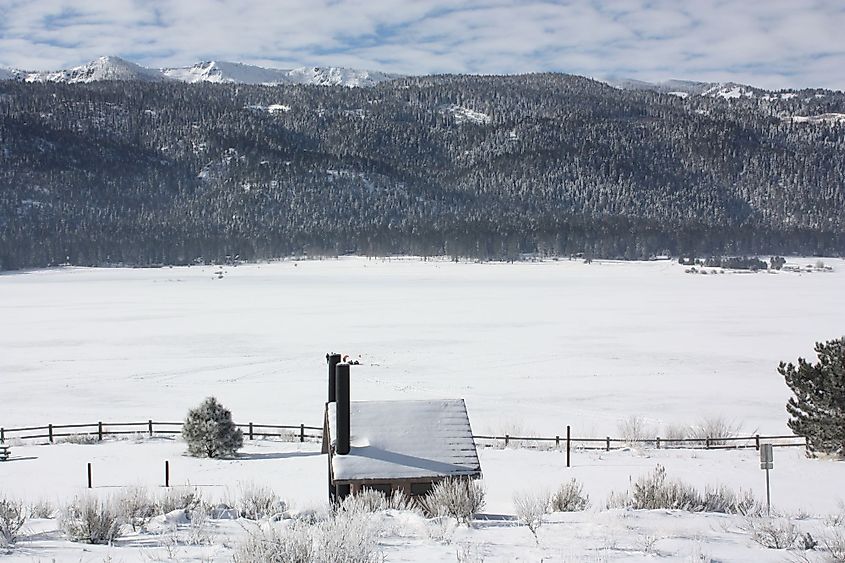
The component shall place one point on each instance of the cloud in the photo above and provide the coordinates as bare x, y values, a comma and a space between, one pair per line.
776, 43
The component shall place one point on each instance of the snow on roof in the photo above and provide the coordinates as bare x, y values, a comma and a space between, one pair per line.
406, 440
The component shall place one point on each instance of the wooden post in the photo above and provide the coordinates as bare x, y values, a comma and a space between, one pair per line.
166, 473
2, 435
250, 431
608, 443
507, 438
658, 442
50, 432
568, 443
301, 432
757, 442
150, 423
100, 431
707, 443
89, 476
557, 441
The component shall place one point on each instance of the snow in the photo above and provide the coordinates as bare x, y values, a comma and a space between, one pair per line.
530, 347
465, 115
405, 440
816, 119
103, 68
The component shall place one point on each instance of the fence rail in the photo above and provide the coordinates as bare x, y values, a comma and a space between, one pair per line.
302, 432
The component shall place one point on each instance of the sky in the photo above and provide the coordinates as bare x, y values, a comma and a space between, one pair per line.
766, 43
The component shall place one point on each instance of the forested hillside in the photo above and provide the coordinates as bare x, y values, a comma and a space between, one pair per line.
160, 172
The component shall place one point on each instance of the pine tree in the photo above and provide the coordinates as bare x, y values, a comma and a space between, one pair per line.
818, 407
210, 432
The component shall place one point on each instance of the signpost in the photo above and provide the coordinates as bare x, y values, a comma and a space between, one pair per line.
767, 462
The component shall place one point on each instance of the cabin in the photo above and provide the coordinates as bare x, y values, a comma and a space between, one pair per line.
390, 446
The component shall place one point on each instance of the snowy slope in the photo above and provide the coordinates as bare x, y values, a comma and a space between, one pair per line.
6, 74
684, 88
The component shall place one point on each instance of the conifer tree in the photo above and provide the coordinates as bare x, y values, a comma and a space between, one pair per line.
210, 432
818, 407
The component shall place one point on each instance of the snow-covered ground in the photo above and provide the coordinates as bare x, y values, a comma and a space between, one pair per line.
531, 347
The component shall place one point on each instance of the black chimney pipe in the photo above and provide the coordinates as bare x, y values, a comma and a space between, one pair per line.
342, 389
333, 360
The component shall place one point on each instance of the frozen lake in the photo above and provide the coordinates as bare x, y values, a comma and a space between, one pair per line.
532, 347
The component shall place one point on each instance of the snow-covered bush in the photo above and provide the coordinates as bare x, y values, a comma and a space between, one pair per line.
530, 507
12, 519
273, 545
656, 491
79, 439
256, 502
772, 533
724, 500
458, 498
570, 497
210, 432
137, 506
344, 537
89, 519
370, 500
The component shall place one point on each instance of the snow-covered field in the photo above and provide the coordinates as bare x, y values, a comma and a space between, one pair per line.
531, 347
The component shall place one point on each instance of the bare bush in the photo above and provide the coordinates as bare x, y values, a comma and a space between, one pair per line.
714, 428
618, 499
633, 430
458, 498
12, 519
42, 508
834, 544
137, 506
674, 434
79, 439
772, 533
570, 497
656, 491
724, 500
178, 498
530, 507
370, 500
256, 502
91, 520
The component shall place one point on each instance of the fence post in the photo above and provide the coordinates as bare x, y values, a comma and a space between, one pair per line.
50, 432
250, 431
658, 442
757, 442
568, 443
150, 422
166, 473
557, 441
89, 475
100, 431
507, 438
608, 443
707, 443
2, 435
301, 432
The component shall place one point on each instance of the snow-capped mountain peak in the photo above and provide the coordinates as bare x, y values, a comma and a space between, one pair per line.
116, 68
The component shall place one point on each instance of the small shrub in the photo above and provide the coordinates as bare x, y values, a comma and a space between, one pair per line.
656, 491
530, 507
724, 500
772, 533
271, 545
715, 428
12, 519
137, 506
675, 433
458, 498
79, 439
91, 520
570, 497
369, 500
619, 500
256, 502
834, 544
633, 430
187, 498
42, 509
210, 432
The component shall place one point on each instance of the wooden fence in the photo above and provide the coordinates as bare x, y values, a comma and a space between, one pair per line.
301, 432
99, 430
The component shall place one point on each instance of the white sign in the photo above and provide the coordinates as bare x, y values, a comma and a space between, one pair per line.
766, 456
